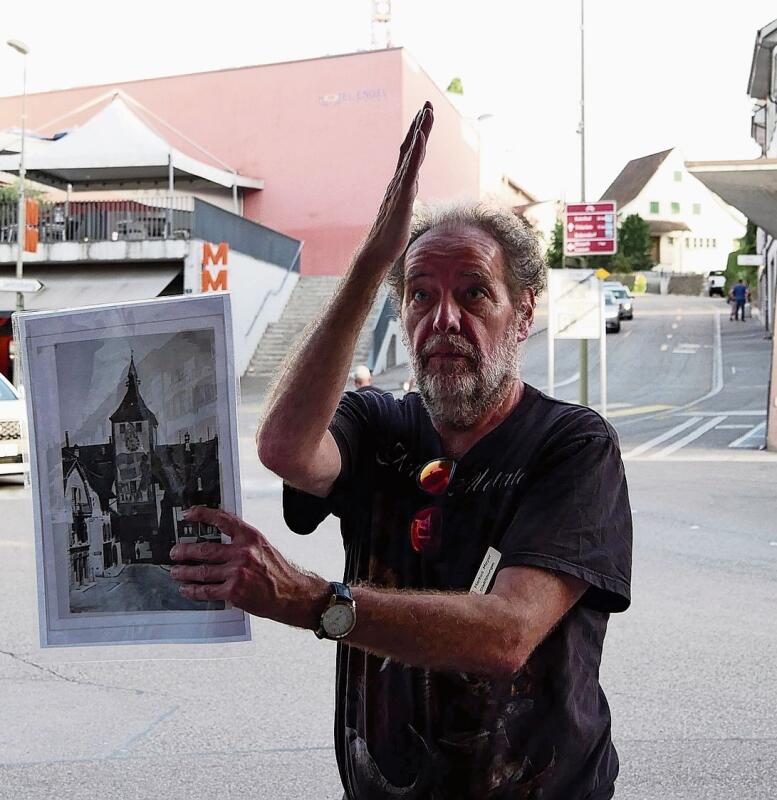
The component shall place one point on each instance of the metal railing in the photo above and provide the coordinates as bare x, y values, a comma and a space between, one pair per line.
162, 217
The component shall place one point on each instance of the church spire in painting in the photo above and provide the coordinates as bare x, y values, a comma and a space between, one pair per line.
132, 407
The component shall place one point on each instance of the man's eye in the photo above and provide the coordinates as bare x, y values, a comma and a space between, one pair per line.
475, 293
419, 295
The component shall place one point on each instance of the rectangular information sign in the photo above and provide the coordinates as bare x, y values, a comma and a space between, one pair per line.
590, 229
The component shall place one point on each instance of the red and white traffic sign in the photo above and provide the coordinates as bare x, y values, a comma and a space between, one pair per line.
590, 229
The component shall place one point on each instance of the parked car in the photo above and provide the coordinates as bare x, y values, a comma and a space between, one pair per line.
623, 296
716, 282
12, 419
612, 313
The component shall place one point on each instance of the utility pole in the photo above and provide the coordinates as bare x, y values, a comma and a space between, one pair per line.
581, 130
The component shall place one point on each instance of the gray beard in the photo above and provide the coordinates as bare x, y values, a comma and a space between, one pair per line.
459, 394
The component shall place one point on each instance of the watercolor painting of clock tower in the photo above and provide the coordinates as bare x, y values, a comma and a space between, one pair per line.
134, 429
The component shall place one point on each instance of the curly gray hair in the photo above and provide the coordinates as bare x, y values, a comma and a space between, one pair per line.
525, 266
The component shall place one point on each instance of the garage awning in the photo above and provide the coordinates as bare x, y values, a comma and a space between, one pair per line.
66, 287
750, 186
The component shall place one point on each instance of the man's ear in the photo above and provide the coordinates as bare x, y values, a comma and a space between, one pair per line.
525, 311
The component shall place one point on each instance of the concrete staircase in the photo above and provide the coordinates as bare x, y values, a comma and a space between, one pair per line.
308, 298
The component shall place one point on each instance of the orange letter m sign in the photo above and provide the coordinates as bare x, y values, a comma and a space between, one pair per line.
221, 256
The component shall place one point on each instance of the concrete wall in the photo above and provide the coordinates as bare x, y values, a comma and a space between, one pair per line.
95, 252
259, 293
323, 134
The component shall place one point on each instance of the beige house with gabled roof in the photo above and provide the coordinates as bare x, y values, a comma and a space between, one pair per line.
691, 228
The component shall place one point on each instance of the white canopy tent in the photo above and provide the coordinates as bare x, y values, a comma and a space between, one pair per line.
116, 150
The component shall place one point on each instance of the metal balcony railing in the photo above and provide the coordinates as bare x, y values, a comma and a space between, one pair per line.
139, 219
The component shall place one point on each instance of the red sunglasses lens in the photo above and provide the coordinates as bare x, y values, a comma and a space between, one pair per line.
425, 529
436, 475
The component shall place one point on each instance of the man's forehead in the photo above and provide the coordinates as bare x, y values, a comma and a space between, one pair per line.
462, 246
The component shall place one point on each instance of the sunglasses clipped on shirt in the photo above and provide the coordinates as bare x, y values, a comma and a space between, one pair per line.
426, 524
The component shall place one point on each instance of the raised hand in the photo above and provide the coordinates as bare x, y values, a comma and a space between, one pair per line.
390, 232
248, 573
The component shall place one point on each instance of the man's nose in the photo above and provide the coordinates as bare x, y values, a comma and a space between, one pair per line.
447, 316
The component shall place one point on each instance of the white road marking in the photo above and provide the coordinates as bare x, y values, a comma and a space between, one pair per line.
733, 370
674, 326
719, 413
643, 448
687, 349
691, 437
756, 431
627, 334
733, 427
664, 348
669, 335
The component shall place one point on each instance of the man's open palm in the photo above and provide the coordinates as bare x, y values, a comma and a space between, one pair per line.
390, 232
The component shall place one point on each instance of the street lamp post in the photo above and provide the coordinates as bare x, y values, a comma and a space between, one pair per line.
21, 228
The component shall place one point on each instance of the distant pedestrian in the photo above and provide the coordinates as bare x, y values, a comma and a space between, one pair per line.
740, 295
362, 377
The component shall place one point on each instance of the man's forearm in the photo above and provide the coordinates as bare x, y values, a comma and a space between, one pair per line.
313, 378
440, 631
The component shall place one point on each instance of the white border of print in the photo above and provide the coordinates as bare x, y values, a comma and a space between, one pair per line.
38, 333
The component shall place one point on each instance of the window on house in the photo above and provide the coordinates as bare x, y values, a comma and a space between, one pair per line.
687, 243
654, 207
678, 176
697, 208
675, 208
139, 427
714, 242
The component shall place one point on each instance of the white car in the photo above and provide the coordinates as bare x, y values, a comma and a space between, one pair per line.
623, 296
12, 425
716, 282
612, 313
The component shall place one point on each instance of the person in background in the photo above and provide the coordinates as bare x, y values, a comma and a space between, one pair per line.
362, 377
741, 295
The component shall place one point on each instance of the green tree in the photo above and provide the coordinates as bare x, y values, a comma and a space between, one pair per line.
555, 254
634, 243
455, 87
747, 247
9, 192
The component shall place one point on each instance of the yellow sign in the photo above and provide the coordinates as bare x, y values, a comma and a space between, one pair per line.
602, 274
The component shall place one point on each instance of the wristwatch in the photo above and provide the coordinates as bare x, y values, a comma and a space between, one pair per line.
339, 617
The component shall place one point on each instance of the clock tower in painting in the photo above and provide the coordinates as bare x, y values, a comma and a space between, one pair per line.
134, 429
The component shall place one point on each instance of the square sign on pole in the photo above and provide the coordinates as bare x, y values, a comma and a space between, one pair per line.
590, 229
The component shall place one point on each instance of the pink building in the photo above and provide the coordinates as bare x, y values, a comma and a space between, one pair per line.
322, 133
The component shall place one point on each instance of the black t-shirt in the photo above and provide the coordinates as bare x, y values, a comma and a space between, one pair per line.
546, 488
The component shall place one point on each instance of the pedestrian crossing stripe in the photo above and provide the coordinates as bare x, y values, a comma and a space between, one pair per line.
633, 410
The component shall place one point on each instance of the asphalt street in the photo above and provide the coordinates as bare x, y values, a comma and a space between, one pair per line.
689, 670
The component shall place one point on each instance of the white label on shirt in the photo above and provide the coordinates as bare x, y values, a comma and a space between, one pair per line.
486, 571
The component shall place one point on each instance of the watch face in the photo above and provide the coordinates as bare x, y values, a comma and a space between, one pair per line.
338, 620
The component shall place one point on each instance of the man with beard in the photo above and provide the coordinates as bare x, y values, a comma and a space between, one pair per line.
486, 527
